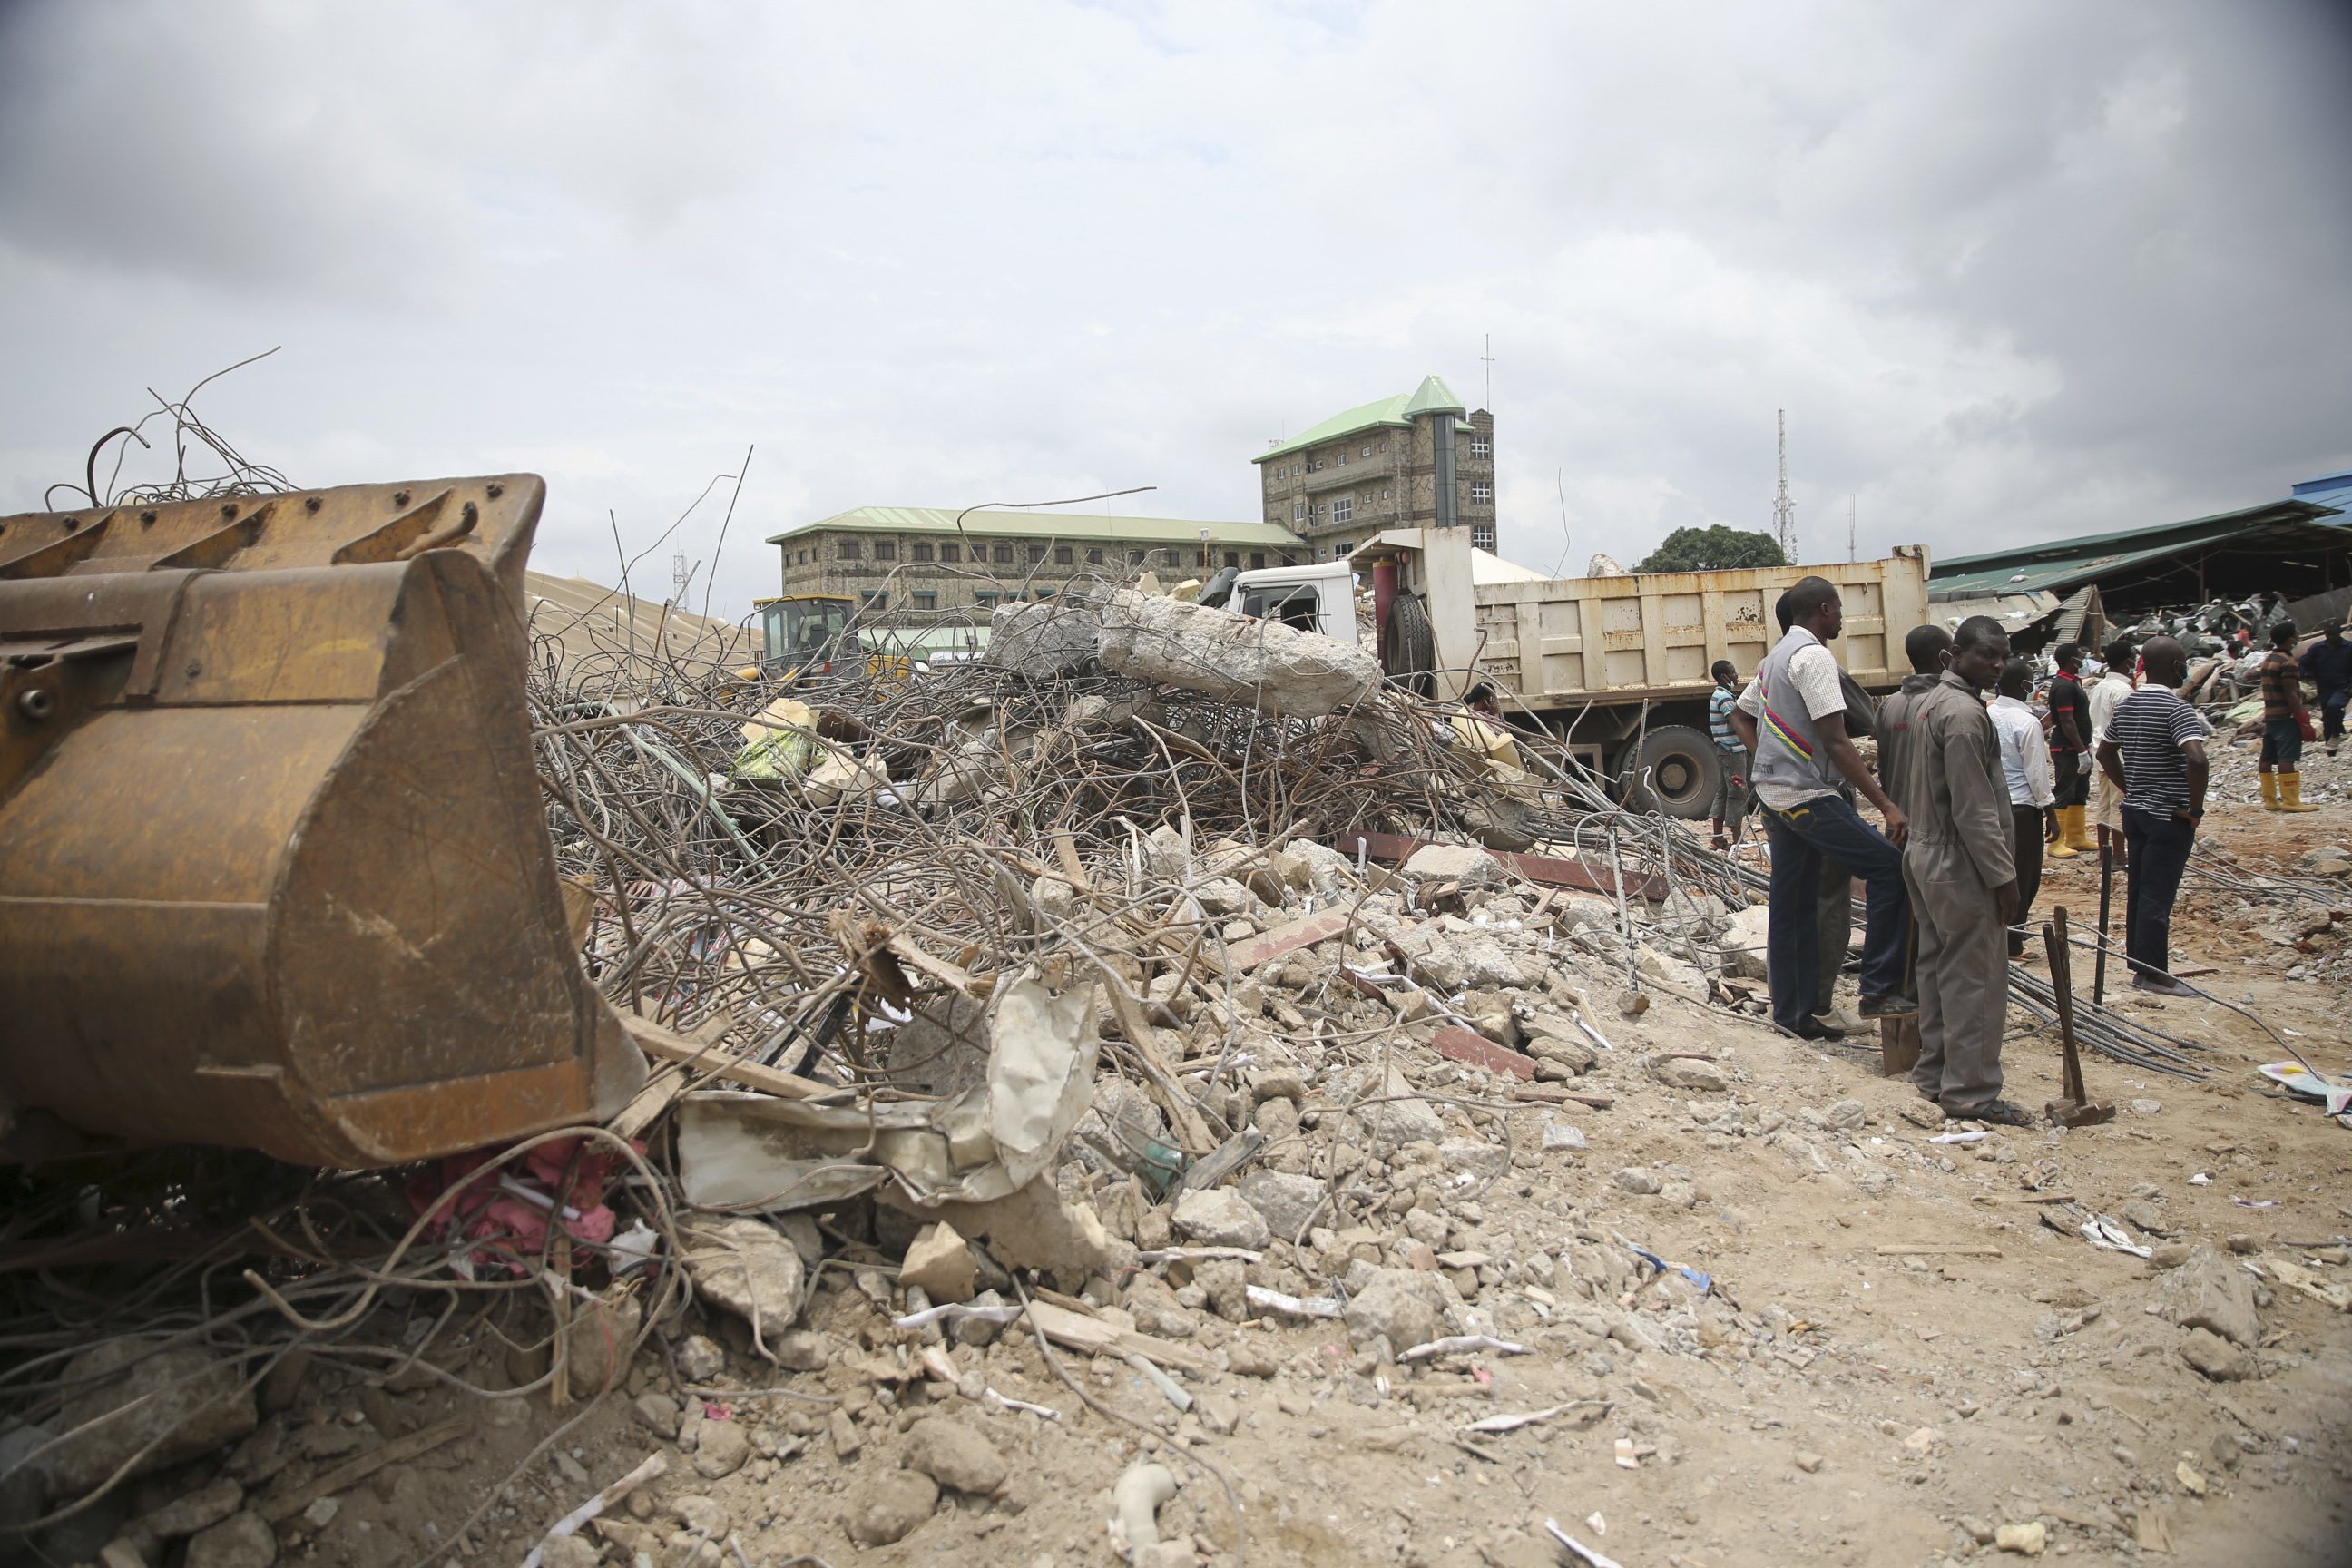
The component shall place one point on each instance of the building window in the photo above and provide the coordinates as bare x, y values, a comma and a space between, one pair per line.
1343, 510
1479, 447
1036, 554
1482, 535
1135, 558
1045, 593
1004, 555
1384, 492
949, 554
1343, 457
846, 550
1093, 558
1257, 560
874, 599
984, 597
922, 550
1298, 511
886, 550
1287, 560
1063, 555
1482, 493
926, 599
1367, 448
1232, 558
1343, 549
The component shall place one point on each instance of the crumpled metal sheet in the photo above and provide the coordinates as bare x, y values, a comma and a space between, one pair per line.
757, 1152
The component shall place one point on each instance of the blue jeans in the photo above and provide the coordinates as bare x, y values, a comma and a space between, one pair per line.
2158, 844
1801, 837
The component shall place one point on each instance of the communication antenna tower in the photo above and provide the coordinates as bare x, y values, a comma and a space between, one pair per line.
1849, 529
1784, 511
679, 571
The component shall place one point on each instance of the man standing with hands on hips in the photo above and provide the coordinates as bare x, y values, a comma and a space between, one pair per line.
1796, 710
2155, 752
1963, 878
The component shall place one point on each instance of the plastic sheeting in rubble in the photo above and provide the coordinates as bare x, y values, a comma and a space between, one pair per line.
752, 1152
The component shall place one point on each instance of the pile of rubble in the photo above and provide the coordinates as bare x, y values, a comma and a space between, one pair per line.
1101, 1051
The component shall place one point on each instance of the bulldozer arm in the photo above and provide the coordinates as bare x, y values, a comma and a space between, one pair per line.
274, 868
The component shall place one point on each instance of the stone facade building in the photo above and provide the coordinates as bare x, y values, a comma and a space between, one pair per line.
888, 559
1418, 459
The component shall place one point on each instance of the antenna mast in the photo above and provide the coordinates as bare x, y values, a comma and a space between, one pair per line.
1784, 511
1488, 357
680, 573
1849, 529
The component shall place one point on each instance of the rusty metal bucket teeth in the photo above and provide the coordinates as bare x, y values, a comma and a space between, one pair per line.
274, 868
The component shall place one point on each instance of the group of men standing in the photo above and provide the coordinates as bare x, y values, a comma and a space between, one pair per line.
1968, 793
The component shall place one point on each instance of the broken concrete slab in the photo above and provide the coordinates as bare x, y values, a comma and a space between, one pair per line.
749, 1268
1219, 1216
940, 1264
1466, 864
1288, 1203
2209, 1292
1247, 662
132, 1396
1045, 639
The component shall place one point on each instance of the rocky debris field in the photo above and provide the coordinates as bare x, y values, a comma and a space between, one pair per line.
1527, 1228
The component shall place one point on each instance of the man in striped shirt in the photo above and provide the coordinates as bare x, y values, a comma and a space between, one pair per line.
2155, 753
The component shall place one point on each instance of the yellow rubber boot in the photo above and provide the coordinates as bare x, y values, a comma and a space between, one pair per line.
2059, 849
2271, 793
2078, 836
2291, 792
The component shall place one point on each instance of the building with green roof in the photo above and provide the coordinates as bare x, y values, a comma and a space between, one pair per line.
923, 558
1419, 460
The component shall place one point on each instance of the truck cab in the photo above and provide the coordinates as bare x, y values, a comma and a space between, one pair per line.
1319, 596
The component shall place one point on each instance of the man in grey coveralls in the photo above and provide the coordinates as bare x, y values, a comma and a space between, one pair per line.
1963, 880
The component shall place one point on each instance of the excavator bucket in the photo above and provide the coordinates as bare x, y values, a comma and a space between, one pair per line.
274, 868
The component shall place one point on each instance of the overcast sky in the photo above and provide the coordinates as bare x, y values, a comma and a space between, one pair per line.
2014, 270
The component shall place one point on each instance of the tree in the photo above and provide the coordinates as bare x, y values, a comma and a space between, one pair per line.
1713, 550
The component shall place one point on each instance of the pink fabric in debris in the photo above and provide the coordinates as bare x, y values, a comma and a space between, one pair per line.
515, 1226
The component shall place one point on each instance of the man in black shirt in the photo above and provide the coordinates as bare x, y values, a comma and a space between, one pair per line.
2070, 752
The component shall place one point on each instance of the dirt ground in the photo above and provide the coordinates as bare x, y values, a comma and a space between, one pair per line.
1830, 1401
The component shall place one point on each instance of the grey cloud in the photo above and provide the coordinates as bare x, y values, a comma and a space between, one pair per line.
2012, 267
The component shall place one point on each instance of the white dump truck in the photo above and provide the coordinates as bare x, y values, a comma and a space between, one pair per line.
1617, 667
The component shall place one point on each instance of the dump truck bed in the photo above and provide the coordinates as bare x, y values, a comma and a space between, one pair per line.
1565, 642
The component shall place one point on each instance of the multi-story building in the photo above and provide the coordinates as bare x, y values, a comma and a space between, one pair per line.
893, 558
1415, 460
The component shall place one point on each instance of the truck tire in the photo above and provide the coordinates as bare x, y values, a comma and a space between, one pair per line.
1409, 645
1676, 772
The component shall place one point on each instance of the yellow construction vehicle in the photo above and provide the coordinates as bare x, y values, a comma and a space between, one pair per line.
274, 864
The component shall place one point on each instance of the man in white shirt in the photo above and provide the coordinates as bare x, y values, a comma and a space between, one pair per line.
1795, 717
2025, 765
2107, 800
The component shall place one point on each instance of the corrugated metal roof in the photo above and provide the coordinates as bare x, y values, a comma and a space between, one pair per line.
1432, 397
2328, 489
2060, 567
1077, 526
